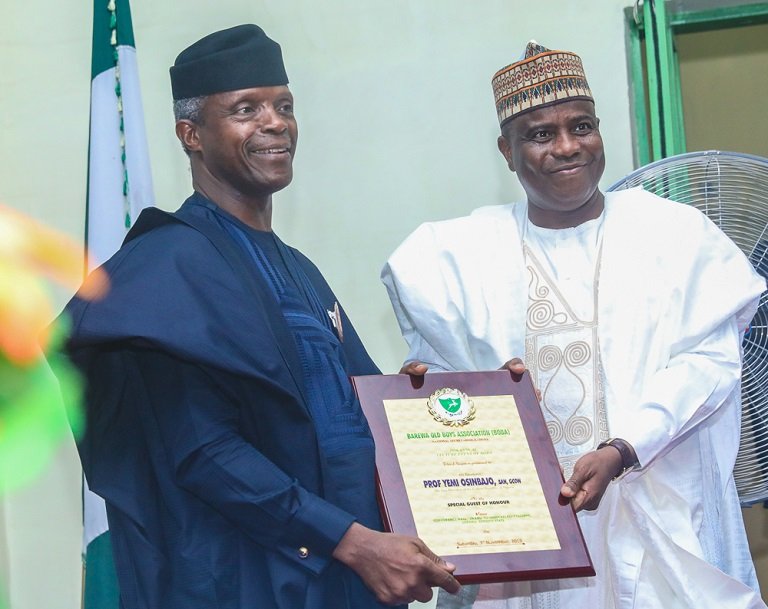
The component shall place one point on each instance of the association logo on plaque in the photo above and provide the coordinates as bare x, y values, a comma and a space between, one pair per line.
451, 407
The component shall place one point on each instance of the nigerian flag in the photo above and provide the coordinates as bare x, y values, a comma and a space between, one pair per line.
119, 187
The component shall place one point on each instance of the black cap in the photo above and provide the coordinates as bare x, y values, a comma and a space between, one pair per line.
241, 57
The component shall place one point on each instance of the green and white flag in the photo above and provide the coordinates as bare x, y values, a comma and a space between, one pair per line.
119, 187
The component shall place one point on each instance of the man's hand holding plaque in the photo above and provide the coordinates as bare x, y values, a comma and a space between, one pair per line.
398, 568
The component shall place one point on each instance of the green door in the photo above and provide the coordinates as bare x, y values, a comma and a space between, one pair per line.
659, 128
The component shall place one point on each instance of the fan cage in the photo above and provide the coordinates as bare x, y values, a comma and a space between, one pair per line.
731, 188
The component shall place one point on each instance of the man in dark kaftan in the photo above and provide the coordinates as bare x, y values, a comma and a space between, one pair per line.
223, 433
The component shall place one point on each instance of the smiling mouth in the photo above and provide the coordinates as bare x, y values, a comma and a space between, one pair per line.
569, 169
271, 151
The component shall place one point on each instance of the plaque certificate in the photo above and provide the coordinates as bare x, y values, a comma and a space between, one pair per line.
464, 461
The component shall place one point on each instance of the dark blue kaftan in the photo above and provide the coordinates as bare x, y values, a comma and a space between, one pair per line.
221, 428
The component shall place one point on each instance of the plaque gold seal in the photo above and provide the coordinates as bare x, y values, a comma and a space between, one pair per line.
451, 407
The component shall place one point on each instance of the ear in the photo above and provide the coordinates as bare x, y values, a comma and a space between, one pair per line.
186, 131
506, 151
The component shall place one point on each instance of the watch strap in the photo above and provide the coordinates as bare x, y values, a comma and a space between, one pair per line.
628, 458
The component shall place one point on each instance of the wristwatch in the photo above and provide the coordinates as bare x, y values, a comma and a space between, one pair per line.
629, 459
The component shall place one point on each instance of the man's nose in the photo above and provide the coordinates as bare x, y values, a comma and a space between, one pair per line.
273, 121
566, 144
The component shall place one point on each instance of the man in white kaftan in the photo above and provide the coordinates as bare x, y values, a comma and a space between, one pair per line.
629, 310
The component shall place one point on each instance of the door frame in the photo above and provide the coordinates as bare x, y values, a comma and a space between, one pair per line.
655, 94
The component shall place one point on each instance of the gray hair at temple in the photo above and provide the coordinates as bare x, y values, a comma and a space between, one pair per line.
189, 108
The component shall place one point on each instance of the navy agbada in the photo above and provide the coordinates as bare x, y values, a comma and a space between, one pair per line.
230, 463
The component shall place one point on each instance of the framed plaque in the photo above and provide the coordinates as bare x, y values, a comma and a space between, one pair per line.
464, 461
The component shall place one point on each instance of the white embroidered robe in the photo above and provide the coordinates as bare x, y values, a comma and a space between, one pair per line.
674, 296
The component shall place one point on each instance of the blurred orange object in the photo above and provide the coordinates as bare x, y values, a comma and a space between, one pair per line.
30, 256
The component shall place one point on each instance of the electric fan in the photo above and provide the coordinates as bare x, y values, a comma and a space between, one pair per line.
732, 190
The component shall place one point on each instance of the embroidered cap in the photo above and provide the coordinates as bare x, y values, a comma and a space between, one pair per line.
241, 57
541, 77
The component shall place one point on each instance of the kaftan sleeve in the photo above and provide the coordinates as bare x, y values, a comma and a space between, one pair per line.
193, 414
676, 399
419, 348
457, 303
430, 319
672, 336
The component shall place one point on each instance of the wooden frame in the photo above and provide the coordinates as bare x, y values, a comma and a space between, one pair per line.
571, 560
